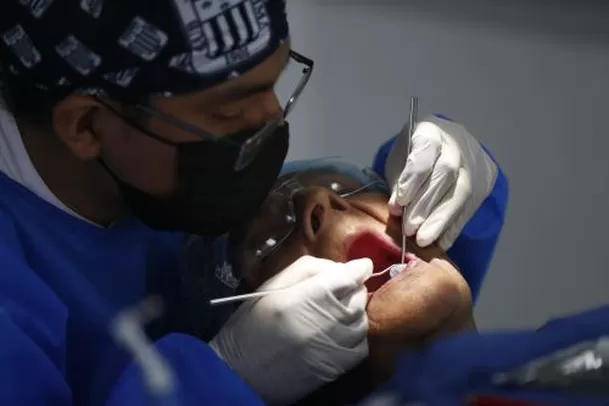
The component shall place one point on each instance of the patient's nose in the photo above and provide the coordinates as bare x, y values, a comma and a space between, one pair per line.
318, 208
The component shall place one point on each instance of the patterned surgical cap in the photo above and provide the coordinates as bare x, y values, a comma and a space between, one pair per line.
136, 47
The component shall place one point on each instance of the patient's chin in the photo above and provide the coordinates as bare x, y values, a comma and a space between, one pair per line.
416, 306
419, 301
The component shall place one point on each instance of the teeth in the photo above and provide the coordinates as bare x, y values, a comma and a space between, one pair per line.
396, 269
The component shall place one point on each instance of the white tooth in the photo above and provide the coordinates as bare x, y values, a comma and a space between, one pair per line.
396, 269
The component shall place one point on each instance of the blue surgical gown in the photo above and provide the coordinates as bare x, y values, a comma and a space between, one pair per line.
62, 280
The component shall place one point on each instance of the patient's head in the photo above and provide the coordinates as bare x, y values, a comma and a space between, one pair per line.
339, 211
316, 210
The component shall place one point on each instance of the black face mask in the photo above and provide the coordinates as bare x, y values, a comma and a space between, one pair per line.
210, 196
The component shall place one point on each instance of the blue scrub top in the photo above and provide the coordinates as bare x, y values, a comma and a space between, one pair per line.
62, 280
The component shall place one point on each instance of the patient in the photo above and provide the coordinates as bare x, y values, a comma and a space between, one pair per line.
335, 210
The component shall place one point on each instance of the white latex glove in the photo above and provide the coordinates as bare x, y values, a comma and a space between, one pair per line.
443, 182
287, 344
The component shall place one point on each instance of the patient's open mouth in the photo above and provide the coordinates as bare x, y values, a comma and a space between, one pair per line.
381, 250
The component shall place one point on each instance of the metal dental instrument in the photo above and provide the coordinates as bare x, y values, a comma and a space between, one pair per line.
412, 118
256, 295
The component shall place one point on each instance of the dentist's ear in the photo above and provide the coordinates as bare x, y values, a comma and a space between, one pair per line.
72, 122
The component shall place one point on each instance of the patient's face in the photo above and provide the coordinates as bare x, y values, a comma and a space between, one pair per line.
325, 227
414, 305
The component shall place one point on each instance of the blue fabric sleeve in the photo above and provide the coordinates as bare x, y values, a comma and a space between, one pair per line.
465, 364
33, 348
28, 377
203, 378
473, 250
32, 339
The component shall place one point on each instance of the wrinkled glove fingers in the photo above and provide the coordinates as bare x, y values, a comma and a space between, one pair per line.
450, 235
426, 148
347, 294
417, 170
409, 222
342, 360
338, 289
345, 279
349, 325
442, 180
446, 213
353, 311
397, 154
345, 319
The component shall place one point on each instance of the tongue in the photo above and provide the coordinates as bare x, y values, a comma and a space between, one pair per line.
382, 253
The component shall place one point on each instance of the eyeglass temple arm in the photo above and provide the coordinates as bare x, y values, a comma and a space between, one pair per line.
307, 71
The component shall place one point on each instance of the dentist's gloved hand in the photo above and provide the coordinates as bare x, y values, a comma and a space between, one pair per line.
442, 183
287, 344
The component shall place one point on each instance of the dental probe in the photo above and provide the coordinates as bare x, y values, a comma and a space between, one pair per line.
412, 117
256, 295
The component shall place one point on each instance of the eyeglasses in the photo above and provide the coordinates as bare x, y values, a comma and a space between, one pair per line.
250, 148
279, 213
